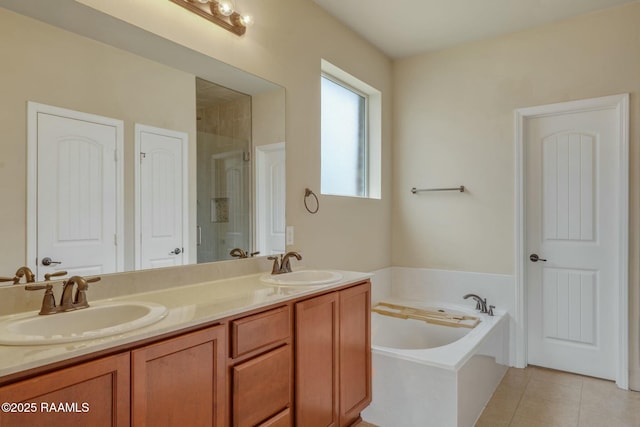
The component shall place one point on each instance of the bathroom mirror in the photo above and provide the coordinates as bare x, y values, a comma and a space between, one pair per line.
66, 55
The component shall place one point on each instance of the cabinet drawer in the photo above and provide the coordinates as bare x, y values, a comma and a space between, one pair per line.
260, 330
283, 419
262, 387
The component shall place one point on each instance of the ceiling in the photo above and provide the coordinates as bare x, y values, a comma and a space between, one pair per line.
403, 28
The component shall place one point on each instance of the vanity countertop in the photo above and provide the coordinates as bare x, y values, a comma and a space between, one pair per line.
188, 306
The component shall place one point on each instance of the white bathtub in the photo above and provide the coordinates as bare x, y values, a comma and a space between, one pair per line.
430, 375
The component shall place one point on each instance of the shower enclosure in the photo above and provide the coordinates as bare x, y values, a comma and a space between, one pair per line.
223, 170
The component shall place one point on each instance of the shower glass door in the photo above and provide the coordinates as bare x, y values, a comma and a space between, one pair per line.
224, 198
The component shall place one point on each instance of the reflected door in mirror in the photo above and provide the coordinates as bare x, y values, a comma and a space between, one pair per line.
76, 196
270, 198
162, 203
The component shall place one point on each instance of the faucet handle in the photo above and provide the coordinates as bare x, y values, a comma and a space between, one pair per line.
49, 301
490, 311
83, 285
7, 279
48, 276
276, 264
48, 287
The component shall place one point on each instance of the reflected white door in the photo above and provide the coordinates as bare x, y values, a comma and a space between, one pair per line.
572, 207
76, 211
161, 212
233, 169
270, 199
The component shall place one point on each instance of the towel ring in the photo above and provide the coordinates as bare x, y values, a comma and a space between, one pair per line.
307, 193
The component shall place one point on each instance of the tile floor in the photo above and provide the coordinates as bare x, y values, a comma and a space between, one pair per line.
539, 397
546, 398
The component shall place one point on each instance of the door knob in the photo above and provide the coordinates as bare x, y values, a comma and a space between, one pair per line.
46, 261
176, 251
536, 258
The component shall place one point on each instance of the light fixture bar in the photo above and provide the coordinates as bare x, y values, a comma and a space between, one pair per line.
209, 10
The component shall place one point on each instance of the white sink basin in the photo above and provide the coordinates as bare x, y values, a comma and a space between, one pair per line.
303, 278
99, 320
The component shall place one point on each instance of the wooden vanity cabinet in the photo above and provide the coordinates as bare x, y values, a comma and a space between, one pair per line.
238, 373
94, 393
261, 373
333, 357
354, 352
180, 381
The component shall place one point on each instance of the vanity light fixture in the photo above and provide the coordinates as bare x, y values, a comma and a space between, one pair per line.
219, 12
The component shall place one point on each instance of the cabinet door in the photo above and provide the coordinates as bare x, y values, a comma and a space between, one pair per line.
261, 387
91, 394
283, 419
180, 381
316, 343
355, 352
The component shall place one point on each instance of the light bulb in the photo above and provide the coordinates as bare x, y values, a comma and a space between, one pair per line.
225, 8
246, 20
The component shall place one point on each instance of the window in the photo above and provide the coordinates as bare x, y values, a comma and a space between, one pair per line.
347, 150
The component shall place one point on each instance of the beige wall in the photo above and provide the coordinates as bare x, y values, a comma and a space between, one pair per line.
285, 45
454, 124
51, 66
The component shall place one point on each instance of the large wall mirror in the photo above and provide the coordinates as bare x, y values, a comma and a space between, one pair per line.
228, 187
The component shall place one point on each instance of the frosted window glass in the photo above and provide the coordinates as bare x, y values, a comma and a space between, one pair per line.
343, 139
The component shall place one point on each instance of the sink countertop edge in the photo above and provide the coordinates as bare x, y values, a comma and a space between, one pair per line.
188, 305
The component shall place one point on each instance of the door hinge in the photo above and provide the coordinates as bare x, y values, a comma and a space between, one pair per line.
115, 155
115, 239
246, 156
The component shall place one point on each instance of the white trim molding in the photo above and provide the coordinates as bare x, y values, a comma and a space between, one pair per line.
621, 105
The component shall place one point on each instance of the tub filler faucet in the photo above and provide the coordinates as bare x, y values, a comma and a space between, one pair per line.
481, 304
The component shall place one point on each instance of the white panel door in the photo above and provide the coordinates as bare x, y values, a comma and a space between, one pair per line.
270, 196
77, 202
571, 210
161, 202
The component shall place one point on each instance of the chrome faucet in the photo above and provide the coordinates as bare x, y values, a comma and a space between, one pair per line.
68, 302
283, 263
481, 304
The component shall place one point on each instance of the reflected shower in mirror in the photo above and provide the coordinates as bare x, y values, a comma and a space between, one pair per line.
67, 55
224, 171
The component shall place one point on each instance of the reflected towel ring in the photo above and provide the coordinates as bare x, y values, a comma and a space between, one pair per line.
307, 193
